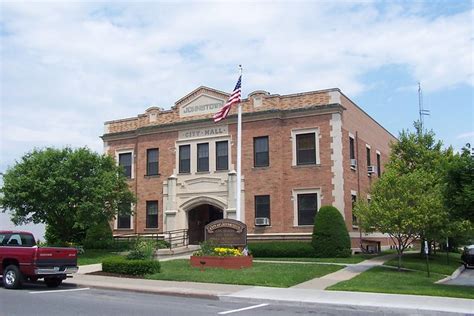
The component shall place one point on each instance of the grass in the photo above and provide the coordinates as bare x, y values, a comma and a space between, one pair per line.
383, 280
93, 256
437, 262
356, 258
261, 274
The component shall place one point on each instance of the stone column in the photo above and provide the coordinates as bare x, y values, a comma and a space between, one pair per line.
231, 195
170, 207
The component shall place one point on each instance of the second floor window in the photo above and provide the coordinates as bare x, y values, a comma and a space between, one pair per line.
203, 157
306, 149
368, 157
260, 148
184, 159
351, 148
125, 160
222, 155
152, 162
379, 171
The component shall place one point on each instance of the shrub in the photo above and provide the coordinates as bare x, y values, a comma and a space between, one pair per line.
330, 236
143, 249
99, 237
282, 249
130, 267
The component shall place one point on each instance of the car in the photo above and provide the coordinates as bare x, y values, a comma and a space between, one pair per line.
21, 259
467, 256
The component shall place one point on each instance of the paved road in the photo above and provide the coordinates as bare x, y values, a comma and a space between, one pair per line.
465, 278
36, 299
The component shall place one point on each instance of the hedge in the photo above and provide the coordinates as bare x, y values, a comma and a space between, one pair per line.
330, 236
282, 249
130, 267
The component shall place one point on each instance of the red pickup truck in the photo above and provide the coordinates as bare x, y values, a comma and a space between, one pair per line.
21, 259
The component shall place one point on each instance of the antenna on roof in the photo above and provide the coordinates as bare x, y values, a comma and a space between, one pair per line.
422, 111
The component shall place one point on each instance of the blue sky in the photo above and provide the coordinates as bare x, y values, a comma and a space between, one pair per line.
67, 67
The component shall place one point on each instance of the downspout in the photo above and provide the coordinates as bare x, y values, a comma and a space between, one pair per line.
358, 187
135, 218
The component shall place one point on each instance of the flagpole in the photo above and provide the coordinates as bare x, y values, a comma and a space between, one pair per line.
239, 156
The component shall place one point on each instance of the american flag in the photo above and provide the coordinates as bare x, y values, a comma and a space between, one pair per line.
233, 99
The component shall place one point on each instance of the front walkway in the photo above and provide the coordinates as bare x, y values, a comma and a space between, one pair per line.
344, 274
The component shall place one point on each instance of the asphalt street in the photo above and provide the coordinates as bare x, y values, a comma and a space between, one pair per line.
36, 299
465, 278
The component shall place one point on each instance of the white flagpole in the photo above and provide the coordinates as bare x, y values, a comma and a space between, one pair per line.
239, 154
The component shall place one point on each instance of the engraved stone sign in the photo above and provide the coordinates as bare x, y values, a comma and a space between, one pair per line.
226, 232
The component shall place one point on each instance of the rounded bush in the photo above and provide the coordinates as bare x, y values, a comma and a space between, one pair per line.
131, 267
330, 236
99, 237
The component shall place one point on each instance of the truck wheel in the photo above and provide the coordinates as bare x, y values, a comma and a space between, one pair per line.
12, 278
53, 282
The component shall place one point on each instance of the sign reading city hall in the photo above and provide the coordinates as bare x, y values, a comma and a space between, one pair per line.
226, 232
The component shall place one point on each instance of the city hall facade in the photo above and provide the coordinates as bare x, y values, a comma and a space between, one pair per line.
299, 152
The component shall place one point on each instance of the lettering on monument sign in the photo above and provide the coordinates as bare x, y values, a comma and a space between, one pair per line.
226, 232
204, 132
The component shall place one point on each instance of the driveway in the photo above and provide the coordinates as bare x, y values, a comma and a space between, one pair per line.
465, 278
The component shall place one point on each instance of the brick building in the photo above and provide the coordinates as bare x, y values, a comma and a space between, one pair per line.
299, 151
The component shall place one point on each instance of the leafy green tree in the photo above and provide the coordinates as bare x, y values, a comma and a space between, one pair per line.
330, 236
399, 206
70, 190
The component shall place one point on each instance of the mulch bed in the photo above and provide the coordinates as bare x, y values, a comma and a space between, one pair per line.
117, 275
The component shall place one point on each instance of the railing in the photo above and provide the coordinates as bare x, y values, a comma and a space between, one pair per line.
173, 238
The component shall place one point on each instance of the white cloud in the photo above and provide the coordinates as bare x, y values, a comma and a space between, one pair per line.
465, 135
98, 62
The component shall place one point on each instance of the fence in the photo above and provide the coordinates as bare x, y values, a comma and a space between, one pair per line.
172, 239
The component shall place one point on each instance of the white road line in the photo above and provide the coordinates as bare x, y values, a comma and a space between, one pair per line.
242, 309
58, 291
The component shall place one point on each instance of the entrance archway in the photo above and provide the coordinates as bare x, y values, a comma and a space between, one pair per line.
200, 216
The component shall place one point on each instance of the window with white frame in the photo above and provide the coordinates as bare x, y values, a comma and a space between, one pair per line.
151, 214
305, 147
125, 160
353, 203
306, 205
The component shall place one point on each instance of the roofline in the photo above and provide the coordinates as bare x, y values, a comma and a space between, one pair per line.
370, 117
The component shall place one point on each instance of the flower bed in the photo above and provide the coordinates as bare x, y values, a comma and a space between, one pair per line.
235, 262
220, 257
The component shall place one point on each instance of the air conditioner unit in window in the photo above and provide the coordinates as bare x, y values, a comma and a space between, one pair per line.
371, 169
262, 221
353, 163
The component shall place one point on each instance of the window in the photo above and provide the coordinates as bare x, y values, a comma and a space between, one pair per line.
368, 156
184, 159
222, 155
354, 200
379, 172
152, 162
123, 219
151, 214
305, 149
307, 207
351, 148
260, 149
125, 160
262, 206
203, 157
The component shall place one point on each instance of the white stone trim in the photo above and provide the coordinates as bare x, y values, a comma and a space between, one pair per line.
353, 192
335, 97
294, 196
368, 146
294, 133
337, 162
126, 151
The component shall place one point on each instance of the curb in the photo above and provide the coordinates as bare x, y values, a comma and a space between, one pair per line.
156, 292
452, 276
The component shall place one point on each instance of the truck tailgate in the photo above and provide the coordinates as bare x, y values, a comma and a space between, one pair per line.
56, 260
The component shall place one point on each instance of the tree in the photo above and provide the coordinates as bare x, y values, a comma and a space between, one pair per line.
330, 236
70, 190
398, 207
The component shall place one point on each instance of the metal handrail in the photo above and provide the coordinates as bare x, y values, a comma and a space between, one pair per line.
175, 238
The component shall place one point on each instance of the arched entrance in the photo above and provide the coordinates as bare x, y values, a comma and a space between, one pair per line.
200, 216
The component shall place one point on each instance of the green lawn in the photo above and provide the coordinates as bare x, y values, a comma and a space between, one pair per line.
353, 259
438, 263
261, 274
384, 280
95, 256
